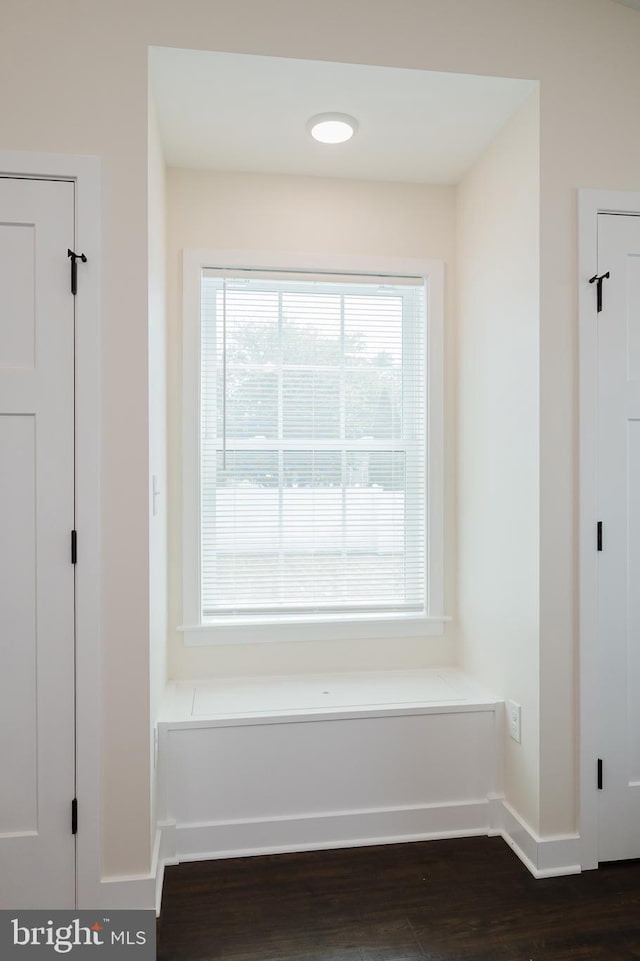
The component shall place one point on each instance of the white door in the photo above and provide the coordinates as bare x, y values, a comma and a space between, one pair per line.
619, 558
37, 768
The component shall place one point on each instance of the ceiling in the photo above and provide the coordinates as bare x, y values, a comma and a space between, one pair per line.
631, 3
225, 111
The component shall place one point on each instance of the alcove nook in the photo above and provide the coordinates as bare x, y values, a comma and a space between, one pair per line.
288, 736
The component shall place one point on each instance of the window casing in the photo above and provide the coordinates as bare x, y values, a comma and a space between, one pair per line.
312, 449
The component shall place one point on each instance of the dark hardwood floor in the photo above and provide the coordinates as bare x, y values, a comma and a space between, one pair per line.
459, 900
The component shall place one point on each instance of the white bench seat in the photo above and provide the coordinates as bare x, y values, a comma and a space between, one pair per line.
254, 765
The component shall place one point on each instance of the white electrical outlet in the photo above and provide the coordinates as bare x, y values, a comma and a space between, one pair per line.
513, 720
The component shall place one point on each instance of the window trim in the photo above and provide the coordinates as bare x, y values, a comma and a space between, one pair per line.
254, 629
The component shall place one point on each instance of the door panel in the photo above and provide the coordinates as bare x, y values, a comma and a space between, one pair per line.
37, 849
17, 331
619, 562
18, 682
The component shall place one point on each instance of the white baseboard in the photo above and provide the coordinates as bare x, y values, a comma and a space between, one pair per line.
544, 857
142, 891
166, 854
127, 893
280, 835
253, 837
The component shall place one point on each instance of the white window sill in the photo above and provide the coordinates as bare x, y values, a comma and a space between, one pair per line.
256, 631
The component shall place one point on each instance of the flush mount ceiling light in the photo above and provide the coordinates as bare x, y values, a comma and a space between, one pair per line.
332, 127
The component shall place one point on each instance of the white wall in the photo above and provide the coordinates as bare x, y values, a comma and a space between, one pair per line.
73, 79
499, 436
158, 581
310, 215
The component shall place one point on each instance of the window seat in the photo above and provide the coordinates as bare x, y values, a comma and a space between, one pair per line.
256, 765
239, 700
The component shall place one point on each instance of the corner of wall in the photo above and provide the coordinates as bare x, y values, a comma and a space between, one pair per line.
498, 435
158, 501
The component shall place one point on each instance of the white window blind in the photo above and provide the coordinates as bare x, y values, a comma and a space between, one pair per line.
312, 445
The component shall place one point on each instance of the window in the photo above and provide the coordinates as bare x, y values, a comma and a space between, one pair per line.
309, 482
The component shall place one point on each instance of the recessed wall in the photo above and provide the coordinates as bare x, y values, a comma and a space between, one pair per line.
498, 435
303, 215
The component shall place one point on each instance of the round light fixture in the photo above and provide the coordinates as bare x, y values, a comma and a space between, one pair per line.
332, 127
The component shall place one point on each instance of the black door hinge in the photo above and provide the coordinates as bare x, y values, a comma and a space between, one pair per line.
597, 279
599, 773
74, 547
74, 816
599, 535
74, 269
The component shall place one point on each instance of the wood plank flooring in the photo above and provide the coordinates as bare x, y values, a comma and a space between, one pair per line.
454, 900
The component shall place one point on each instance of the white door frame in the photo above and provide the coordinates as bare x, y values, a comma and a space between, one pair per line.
590, 204
84, 172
